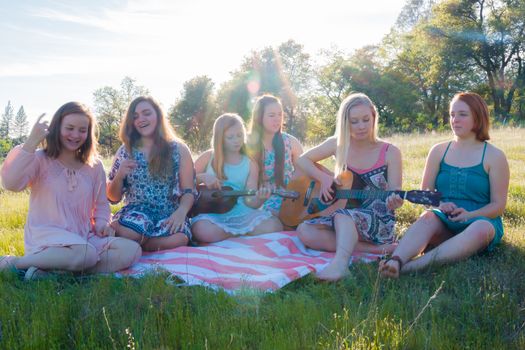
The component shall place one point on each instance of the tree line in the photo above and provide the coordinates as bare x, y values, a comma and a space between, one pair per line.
435, 49
13, 128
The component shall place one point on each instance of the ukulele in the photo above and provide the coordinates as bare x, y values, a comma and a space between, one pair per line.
223, 200
310, 205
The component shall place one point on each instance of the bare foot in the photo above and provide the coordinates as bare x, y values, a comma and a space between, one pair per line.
389, 268
334, 271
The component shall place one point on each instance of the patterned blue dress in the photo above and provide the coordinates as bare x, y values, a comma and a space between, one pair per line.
148, 200
374, 222
241, 219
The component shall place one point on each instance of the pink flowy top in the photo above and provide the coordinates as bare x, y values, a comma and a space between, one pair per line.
64, 203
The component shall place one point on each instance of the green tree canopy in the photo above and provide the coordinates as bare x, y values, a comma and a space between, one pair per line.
111, 105
194, 112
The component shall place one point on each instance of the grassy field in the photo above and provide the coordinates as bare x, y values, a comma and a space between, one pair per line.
475, 304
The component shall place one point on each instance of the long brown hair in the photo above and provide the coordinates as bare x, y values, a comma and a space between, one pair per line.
256, 146
480, 113
223, 123
85, 153
160, 160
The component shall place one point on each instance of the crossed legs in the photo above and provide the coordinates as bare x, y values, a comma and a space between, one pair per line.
151, 244
206, 231
120, 254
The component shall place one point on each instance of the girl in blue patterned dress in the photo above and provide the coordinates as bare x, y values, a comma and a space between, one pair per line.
274, 151
153, 171
473, 177
375, 165
227, 165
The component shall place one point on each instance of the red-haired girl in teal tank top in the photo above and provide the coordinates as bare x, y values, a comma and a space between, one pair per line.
473, 177
467, 188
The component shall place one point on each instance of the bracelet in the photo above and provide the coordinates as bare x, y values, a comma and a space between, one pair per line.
187, 191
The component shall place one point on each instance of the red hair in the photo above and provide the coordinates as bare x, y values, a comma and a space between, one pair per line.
480, 113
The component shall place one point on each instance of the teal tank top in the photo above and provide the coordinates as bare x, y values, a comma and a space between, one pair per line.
467, 187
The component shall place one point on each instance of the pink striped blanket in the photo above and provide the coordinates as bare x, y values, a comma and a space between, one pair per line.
266, 262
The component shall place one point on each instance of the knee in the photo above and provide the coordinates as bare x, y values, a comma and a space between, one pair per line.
83, 258
128, 250
305, 234
344, 224
198, 227
483, 232
275, 225
203, 231
343, 219
428, 218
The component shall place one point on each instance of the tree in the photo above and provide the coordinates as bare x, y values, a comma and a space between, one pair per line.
284, 71
194, 112
110, 106
490, 34
413, 13
5, 123
435, 71
297, 76
20, 126
5, 147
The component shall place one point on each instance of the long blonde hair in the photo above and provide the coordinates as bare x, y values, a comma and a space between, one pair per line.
160, 162
223, 123
342, 129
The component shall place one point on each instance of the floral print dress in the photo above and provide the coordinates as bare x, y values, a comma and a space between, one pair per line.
149, 200
374, 222
273, 204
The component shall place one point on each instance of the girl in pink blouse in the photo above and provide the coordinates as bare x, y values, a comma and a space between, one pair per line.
67, 223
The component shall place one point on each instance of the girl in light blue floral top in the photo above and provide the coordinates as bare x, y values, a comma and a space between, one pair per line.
274, 151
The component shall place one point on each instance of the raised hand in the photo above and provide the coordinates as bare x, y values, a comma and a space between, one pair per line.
37, 135
125, 168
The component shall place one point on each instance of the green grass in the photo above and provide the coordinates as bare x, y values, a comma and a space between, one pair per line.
475, 304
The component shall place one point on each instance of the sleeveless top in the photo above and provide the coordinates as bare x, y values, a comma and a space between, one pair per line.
373, 178
236, 174
241, 219
468, 188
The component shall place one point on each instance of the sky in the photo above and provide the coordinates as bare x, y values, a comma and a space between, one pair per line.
53, 52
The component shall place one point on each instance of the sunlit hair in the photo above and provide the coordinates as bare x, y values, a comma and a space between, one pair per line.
87, 153
160, 160
342, 129
255, 139
480, 113
221, 125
